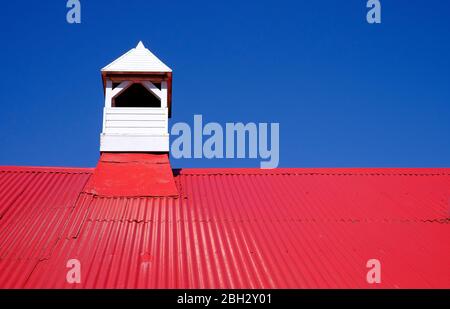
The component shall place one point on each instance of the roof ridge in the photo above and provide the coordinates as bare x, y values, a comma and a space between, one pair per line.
257, 171
319, 171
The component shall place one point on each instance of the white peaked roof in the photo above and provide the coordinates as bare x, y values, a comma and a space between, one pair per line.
138, 59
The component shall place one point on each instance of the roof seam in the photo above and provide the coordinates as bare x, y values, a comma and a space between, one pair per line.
33, 270
69, 217
299, 220
130, 197
311, 174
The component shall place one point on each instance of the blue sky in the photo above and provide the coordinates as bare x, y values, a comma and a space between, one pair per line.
346, 93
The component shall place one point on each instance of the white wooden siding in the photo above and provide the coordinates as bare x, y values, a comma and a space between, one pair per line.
147, 121
146, 143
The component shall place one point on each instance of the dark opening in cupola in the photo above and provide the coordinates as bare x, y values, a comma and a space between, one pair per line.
136, 96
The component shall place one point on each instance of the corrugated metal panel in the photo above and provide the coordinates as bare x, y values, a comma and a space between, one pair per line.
289, 228
35, 206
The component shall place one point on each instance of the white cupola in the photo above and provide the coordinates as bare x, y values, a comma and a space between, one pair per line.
138, 91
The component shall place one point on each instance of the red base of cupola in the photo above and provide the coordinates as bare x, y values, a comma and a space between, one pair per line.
132, 175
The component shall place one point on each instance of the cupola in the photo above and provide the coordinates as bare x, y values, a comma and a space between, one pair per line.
138, 92
134, 142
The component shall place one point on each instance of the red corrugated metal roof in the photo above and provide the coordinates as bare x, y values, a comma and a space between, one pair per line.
229, 228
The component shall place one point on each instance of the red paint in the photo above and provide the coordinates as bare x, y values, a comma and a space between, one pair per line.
132, 174
229, 228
